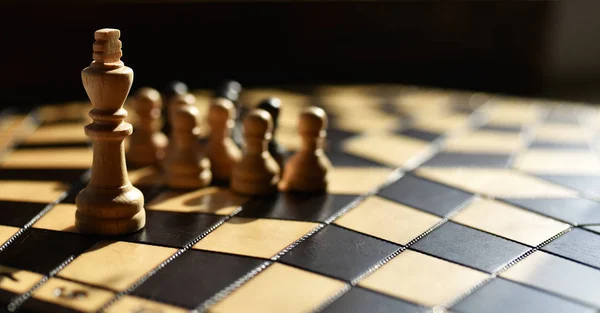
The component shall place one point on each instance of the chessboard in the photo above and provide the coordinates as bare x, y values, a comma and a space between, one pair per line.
438, 201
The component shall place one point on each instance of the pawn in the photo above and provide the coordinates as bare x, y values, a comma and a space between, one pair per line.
220, 149
257, 173
306, 171
147, 144
172, 90
273, 106
184, 166
231, 89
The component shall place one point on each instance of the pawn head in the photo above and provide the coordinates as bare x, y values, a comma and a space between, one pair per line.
147, 99
273, 106
220, 111
175, 88
185, 119
185, 99
258, 124
313, 122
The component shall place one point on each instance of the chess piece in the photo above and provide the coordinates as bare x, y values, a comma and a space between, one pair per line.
306, 171
257, 173
231, 89
221, 150
109, 205
147, 144
173, 89
184, 166
273, 106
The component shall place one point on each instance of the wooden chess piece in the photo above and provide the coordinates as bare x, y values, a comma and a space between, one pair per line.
173, 89
306, 171
273, 106
221, 150
109, 205
184, 166
147, 144
231, 89
257, 173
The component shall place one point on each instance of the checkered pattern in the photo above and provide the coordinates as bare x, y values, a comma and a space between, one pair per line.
492, 210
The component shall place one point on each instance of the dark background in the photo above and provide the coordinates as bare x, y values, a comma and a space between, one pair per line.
532, 48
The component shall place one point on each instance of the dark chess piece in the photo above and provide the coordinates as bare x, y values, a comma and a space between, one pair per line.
273, 106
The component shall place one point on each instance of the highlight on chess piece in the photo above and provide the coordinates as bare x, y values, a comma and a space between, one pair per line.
110, 204
257, 173
306, 171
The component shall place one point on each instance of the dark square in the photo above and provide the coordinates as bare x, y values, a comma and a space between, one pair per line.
297, 206
194, 277
43, 174
65, 145
41, 250
359, 300
579, 245
172, 229
420, 134
469, 246
559, 145
339, 158
585, 184
502, 296
18, 213
455, 159
338, 252
426, 195
574, 211
502, 128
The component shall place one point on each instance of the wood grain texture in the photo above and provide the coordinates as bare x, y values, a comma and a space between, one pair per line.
109, 204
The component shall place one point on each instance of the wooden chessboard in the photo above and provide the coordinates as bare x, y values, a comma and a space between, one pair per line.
439, 199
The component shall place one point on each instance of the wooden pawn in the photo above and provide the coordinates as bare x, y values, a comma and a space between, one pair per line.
147, 143
306, 170
221, 150
184, 166
257, 173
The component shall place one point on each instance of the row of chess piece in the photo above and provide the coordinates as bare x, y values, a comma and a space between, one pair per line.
250, 160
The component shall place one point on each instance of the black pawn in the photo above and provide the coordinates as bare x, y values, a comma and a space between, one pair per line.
173, 89
231, 89
273, 106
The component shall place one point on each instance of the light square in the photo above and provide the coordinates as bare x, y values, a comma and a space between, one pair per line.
115, 264
135, 304
23, 280
558, 275
509, 221
6, 232
392, 150
146, 176
207, 200
69, 158
561, 133
423, 279
356, 180
280, 288
31, 191
258, 237
501, 183
92, 301
60, 218
388, 220
549, 161
59, 133
484, 142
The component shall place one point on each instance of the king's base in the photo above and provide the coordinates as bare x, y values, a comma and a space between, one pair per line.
110, 211
106, 226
